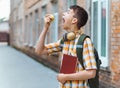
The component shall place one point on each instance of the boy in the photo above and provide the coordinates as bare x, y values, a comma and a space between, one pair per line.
75, 18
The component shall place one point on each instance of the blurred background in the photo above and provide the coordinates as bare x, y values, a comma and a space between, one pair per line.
4, 21
21, 22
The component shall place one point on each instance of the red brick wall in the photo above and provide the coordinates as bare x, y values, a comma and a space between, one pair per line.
115, 41
81, 3
30, 3
108, 78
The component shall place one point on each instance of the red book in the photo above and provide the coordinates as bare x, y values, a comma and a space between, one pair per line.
69, 64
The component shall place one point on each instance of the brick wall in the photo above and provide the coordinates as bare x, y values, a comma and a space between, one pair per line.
109, 78
81, 3
105, 79
115, 42
30, 3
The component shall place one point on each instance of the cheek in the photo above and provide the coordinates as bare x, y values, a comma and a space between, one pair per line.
68, 21
66, 26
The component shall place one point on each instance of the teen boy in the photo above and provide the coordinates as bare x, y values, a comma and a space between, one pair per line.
75, 18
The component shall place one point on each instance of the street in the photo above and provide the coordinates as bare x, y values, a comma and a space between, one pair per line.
18, 70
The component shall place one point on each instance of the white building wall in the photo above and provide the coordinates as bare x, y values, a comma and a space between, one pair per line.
4, 26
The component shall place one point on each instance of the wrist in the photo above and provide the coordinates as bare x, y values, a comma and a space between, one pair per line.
66, 76
45, 28
46, 25
69, 77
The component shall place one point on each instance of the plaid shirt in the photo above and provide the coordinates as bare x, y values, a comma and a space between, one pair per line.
69, 47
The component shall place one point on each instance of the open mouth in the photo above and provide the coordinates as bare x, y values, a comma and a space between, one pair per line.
63, 20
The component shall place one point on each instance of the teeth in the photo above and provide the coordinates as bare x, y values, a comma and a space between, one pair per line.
63, 19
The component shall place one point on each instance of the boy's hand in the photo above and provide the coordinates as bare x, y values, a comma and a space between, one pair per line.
47, 20
61, 78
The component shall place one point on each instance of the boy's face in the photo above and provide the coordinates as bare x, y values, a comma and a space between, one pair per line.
68, 17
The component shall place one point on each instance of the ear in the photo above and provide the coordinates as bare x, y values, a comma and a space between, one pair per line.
74, 20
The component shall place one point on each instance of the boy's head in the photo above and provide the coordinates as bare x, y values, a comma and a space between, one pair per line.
76, 15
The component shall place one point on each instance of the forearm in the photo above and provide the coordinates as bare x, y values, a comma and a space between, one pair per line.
40, 43
82, 75
40, 48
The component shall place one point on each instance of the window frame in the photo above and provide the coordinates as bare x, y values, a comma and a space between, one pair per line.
104, 59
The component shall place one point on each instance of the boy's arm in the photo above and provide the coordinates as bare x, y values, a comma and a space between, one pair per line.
82, 75
90, 65
40, 46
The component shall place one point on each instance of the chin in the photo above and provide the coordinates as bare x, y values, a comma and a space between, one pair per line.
65, 27
67, 30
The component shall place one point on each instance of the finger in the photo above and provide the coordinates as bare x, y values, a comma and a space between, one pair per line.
47, 15
47, 19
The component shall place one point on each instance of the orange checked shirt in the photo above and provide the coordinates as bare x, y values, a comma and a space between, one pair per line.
69, 47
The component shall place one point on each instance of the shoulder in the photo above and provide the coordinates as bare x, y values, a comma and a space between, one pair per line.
87, 41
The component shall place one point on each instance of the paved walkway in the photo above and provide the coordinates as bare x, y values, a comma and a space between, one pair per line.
17, 70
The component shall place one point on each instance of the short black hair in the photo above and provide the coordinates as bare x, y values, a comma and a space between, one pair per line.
80, 14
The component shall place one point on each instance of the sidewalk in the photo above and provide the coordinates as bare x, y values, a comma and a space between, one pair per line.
18, 70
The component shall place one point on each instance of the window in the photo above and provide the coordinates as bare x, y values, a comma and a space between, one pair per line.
71, 2
31, 31
36, 24
99, 24
54, 29
53, 33
20, 31
103, 28
26, 30
95, 25
44, 11
54, 7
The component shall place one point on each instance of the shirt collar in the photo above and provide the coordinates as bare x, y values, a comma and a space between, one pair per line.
79, 32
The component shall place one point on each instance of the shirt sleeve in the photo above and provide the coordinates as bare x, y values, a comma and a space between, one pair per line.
53, 47
88, 55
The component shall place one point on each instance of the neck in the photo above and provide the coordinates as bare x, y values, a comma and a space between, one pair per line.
74, 29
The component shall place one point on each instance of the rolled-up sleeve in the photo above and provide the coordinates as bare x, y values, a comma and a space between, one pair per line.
53, 47
88, 55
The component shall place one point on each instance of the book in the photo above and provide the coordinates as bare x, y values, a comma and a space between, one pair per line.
69, 64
